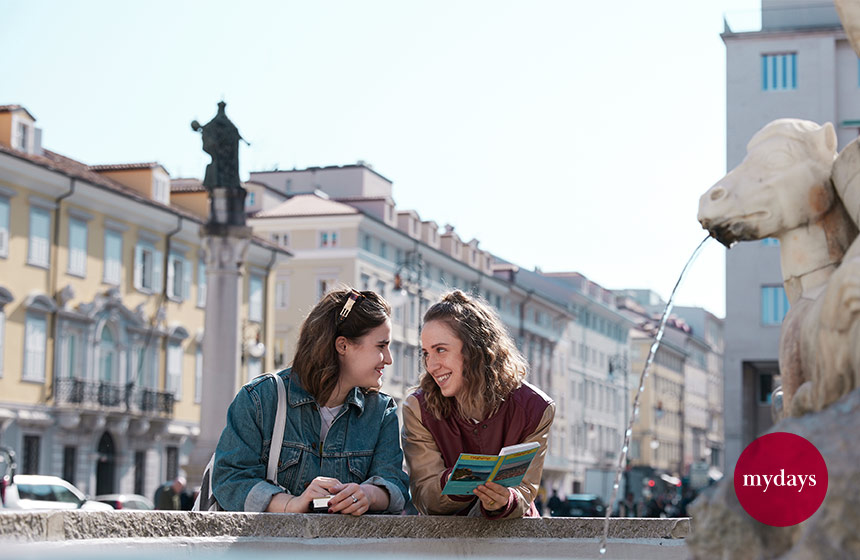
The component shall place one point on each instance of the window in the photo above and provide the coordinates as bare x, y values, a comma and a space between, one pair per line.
172, 466
198, 373
160, 189
40, 225
778, 71
774, 305
77, 247
383, 250
201, 282
324, 286
139, 471
147, 268
255, 298
107, 356
174, 370
23, 137
70, 456
366, 242
255, 368
34, 347
113, 257
178, 277
249, 200
70, 354
30, 460
328, 239
282, 293
4, 227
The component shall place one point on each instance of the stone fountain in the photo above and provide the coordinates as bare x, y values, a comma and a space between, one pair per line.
793, 186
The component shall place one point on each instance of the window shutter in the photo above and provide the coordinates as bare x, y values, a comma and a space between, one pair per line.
138, 266
186, 279
171, 275
157, 267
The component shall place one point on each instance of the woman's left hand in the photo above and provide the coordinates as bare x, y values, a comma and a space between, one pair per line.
350, 499
493, 496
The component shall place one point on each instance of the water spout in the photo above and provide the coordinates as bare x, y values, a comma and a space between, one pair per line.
622, 457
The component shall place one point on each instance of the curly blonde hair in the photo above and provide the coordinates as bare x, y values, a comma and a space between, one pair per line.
492, 365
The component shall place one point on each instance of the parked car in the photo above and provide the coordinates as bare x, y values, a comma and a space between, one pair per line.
585, 505
125, 501
35, 491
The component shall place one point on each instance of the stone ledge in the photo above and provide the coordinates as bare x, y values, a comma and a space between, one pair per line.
46, 526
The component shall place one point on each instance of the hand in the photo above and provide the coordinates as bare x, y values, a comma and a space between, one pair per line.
493, 496
350, 499
319, 487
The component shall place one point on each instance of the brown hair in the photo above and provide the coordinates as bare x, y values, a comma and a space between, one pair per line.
316, 362
492, 365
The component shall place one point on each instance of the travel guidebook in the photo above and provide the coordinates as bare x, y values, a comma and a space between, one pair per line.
507, 468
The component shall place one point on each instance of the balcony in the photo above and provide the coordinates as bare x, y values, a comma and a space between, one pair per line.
113, 397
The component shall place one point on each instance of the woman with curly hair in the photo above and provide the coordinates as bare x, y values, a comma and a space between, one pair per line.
472, 398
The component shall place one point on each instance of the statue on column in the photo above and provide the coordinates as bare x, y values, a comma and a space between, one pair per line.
226, 195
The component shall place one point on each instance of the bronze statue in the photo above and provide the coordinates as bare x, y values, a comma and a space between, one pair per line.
221, 141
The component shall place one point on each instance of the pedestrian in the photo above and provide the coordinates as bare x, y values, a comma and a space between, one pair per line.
554, 503
169, 495
539, 502
472, 398
627, 507
341, 437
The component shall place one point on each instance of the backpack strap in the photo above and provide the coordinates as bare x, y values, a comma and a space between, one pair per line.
277, 431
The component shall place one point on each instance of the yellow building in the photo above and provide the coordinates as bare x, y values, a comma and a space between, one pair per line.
102, 305
658, 433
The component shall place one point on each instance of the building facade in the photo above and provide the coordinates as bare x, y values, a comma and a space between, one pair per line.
102, 306
797, 64
343, 227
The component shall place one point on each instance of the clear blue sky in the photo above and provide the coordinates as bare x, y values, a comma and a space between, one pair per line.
566, 135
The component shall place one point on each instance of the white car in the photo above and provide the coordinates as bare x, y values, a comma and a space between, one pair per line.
126, 501
35, 491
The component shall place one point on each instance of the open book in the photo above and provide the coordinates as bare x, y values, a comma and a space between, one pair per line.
507, 468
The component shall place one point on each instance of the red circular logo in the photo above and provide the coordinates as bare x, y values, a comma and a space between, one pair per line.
780, 479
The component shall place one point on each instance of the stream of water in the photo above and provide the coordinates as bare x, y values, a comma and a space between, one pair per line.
622, 457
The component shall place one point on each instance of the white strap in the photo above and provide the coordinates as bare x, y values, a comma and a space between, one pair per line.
277, 431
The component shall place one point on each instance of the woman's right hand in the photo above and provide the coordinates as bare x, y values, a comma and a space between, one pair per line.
319, 487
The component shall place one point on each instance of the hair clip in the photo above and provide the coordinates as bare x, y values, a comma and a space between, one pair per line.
353, 298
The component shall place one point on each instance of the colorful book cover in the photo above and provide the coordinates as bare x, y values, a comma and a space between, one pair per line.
507, 468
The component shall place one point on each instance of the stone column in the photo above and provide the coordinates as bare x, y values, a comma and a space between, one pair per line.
226, 247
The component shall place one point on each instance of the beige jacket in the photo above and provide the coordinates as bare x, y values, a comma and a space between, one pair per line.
426, 466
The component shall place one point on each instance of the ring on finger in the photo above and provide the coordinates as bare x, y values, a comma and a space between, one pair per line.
354, 499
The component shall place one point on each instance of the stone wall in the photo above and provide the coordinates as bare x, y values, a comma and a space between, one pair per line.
165, 534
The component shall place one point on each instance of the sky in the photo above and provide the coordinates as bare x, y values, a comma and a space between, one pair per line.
563, 135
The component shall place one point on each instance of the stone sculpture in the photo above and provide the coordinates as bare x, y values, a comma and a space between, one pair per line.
789, 187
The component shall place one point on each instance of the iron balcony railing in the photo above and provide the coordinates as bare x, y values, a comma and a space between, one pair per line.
100, 394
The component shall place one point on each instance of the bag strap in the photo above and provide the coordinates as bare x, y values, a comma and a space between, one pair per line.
277, 431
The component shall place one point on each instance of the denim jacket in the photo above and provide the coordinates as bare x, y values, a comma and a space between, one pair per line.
362, 446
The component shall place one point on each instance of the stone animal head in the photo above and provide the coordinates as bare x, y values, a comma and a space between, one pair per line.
783, 183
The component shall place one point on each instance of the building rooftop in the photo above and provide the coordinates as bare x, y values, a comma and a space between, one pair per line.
307, 205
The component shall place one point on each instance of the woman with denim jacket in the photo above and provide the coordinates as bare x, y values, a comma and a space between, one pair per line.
472, 398
341, 437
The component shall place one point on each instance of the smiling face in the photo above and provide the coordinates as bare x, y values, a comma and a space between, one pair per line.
443, 357
363, 359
